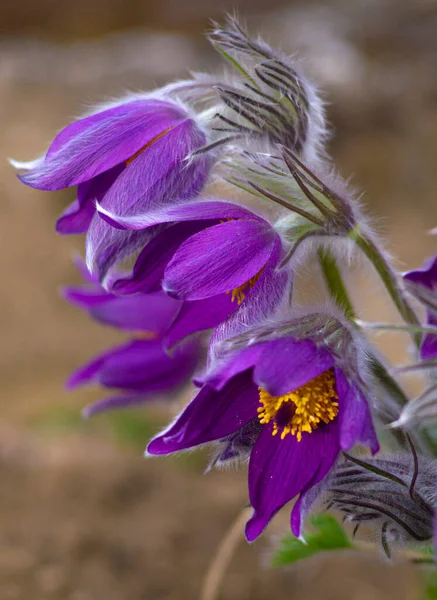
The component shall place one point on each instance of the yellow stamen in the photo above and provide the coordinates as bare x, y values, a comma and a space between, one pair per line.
239, 293
155, 139
310, 405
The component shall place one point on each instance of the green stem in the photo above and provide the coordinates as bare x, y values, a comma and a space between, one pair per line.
390, 281
334, 282
339, 293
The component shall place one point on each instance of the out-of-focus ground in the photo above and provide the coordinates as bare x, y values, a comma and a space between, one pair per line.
82, 515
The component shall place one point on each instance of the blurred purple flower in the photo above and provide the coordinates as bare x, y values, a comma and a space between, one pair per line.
289, 404
140, 368
426, 277
215, 255
132, 156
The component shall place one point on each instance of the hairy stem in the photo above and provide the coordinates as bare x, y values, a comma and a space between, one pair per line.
334, 282
338, 291
390, 281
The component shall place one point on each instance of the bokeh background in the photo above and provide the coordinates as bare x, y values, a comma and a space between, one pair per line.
82, 515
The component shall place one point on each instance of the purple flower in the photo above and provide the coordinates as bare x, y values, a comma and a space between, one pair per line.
287, 402
215, 255
132, 156
426, 278
140, 368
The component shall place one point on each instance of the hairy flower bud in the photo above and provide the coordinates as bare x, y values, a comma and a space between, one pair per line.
272, 99
394, 492
312, 202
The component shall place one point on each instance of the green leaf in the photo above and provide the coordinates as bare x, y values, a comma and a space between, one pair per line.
328, 535
236, 64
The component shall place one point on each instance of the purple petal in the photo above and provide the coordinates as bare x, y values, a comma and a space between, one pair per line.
140, 365
116, 402
259, 304
223, 371
312, 491
198, 316
160, 174
77, 218
286, 364
106, 247
157, 176
152, 313
219, 259
210, 416
149, 267
428, 349
98, 143
144, 312
116, 113
85, 298
143, 365
84, 272
189, 211
355, 420
87, 372
281, 469
230, 318
426, 276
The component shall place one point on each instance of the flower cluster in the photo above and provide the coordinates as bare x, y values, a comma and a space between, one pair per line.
206, 281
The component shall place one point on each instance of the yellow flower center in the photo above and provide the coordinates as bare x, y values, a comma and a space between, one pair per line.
141, 150
303, 409
239, 293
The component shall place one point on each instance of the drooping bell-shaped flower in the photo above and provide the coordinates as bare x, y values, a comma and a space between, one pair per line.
139, 369
290, 401
216, 256
131, 156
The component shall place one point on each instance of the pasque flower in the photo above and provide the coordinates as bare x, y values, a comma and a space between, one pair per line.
132, 155
423, 283
215, 255
293, 401
140, 368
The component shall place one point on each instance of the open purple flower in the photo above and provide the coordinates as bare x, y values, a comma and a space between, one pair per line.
291, 405
426, 278
140, 368
215, 255
132, 156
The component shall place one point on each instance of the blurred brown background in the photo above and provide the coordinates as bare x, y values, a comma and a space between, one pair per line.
82, 515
